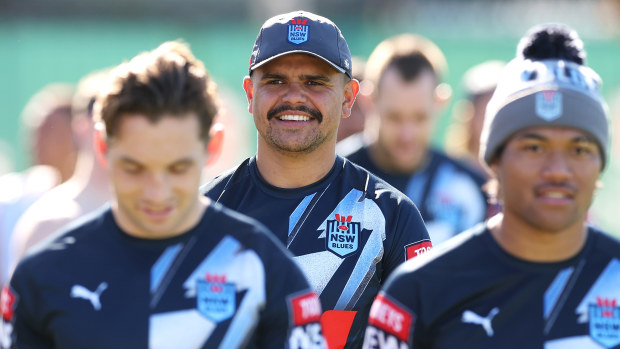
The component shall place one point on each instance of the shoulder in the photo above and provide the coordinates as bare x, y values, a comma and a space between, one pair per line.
606, 242
458, 165
233, 176
61, 246
249, 231
458, 253
376, 188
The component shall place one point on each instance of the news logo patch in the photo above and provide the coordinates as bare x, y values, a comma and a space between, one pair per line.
391, 318
216, 298
298, 31
549, 104
417, 248
343, 235
605, 322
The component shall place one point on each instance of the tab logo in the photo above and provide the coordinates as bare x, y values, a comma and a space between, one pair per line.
391, 318
216, 298
298, 31
417, 248
342, 235
305, 308
605, 322
549, 105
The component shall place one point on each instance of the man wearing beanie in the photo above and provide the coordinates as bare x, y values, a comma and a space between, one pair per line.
536, 275
347, 229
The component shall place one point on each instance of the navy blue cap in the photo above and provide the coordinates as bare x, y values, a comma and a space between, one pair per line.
301, 32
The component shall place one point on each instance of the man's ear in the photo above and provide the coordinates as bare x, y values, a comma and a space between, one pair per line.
248, 87
101, 146
351, 89
216, 143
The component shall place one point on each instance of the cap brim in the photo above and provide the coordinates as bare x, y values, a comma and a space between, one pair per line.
299, 51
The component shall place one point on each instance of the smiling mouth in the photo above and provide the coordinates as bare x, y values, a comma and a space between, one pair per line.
556, 195
157, 214
294, 118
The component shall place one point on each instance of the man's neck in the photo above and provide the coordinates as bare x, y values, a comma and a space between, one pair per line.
294, 169
527, 243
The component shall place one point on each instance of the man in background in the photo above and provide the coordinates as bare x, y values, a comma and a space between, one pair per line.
407, 98
46, 120
463, 134
86, 190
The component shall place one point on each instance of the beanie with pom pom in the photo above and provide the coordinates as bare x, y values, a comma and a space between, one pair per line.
547, 84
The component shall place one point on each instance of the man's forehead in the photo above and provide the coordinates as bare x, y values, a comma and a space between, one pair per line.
293, 59
553, 132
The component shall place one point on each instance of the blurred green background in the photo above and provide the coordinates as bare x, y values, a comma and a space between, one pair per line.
42, 43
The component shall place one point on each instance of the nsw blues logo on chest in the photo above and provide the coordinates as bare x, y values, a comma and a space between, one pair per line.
605, 322
298, 31
216, 298
343, 235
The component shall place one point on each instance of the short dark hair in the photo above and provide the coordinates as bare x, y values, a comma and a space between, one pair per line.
409, 54
168, 80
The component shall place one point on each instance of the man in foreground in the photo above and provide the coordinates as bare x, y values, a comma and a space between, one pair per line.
347, 228
163, 266
536, 275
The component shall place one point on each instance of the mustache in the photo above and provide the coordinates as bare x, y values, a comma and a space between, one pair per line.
556, 185
302, 108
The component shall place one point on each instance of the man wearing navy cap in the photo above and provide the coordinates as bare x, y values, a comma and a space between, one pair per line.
346, 228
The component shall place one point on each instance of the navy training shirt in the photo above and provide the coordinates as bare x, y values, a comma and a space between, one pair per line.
215, 286
348, 232
470, 293
447, 192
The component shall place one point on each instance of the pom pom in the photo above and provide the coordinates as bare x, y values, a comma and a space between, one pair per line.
552, 41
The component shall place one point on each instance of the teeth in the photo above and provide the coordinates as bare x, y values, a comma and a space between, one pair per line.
555, 195
294, 118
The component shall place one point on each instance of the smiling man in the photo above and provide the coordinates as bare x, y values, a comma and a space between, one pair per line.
347, 228
163, 266
536, 275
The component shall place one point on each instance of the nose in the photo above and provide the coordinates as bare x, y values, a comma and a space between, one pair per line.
294, 93
557, 166
157, 188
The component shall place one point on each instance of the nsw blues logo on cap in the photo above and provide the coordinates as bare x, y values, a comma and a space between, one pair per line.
549, 104
298, 31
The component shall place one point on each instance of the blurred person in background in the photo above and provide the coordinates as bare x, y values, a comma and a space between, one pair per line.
46, 120
536, 275
162, 266
355, 122
346, 228
463, 134
84, 192
407, 98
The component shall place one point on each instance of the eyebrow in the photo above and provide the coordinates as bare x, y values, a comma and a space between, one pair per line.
576, 139
182, 161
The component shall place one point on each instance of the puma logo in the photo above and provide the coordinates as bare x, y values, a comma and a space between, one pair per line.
79, 291
473, 318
